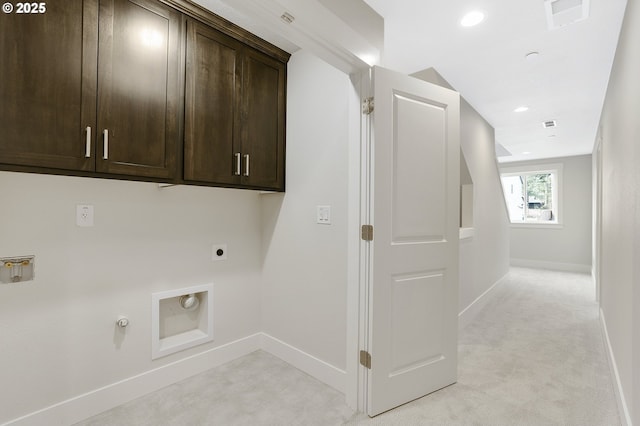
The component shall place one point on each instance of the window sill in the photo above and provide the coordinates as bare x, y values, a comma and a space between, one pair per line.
467, 233
537, 225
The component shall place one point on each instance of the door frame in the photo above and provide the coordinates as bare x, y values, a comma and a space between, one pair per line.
597, 213
357, 265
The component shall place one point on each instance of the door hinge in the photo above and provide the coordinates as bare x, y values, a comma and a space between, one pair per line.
367, 232
367, 106
365, 359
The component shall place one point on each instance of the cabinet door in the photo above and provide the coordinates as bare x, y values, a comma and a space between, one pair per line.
211, 104
138, 88
263, 115
47, 86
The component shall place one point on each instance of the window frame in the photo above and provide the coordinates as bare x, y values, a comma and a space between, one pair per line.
535, 169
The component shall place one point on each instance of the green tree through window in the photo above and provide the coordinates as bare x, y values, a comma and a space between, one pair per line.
539, 191
532, 195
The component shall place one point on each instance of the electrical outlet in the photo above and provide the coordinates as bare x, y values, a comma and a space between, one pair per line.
84, 215
219, 252
323, 215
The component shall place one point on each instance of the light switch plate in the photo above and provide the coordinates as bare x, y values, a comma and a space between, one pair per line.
323, 216
84, 215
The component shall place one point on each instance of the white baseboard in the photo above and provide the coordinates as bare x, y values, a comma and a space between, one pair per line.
623, 410
554, 266
311, 365
469, 313
91, 403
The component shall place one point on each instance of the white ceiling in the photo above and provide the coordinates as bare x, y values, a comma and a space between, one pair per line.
487, 64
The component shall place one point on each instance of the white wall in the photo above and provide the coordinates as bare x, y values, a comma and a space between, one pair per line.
567, 247
484, 258
304, 297
620, 275
286, 275
58, 335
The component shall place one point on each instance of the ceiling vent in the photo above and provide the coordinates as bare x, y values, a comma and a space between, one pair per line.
549, 124
565, 12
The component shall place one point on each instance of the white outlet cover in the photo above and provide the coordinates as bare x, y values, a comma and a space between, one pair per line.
84, 215
323, 215
214, 252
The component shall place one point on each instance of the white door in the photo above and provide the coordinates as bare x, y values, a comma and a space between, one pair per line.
413, 200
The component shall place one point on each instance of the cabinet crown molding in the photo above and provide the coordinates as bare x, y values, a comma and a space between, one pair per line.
204, 15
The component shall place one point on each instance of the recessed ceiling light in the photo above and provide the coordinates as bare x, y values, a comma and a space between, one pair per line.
472, 18
522, 108
526, 153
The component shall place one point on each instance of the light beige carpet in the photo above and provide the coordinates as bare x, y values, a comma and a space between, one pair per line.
534, 356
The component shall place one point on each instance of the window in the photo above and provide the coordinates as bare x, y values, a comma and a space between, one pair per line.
532, 193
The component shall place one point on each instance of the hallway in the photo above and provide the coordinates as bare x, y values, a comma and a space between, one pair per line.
534, 356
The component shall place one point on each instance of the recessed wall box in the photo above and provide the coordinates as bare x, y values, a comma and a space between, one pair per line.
174, 328
16, 269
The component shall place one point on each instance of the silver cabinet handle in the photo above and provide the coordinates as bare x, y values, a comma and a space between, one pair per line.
87, 148
105, 154
238, 164
246, 165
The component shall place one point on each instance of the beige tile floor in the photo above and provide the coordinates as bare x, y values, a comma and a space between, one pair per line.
533, 356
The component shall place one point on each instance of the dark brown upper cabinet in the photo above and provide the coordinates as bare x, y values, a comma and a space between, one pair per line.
91, 86
48, 64
234, 113
138, 88
141, 89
